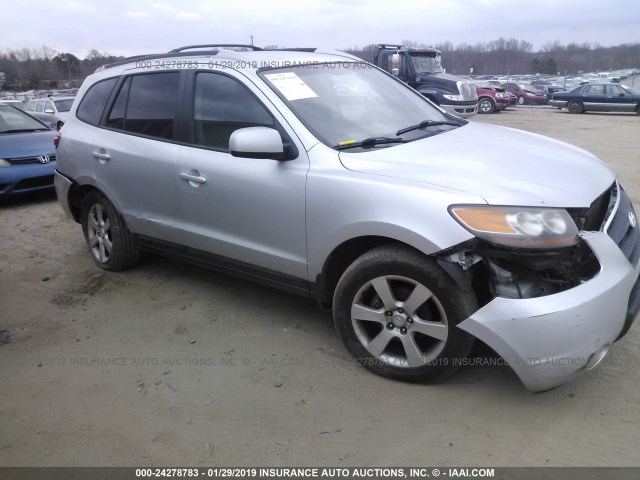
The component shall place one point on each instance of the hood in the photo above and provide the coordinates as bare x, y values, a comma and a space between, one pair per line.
18, 145
502, 165
445, 77
444, 81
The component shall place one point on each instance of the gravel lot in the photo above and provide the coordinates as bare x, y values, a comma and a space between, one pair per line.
168, 364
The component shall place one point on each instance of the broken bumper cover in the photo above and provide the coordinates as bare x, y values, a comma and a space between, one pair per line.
550, 340
62, 185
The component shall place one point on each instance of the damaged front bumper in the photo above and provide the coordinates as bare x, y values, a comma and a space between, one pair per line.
549, 340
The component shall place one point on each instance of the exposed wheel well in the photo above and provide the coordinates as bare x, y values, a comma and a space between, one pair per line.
76, 194
339, 260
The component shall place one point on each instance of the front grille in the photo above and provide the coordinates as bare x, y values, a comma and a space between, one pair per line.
468, 90
621, 225
17, 161
45, 181
593, 219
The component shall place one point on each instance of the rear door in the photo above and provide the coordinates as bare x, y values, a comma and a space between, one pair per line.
245, 213
134, 153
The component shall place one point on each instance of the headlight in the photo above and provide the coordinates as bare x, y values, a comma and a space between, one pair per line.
499, 95
455, 98
523, 227
4, 163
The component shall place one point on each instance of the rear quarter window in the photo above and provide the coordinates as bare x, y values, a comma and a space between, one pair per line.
95, 101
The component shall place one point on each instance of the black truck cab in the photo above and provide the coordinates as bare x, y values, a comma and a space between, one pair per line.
421, 68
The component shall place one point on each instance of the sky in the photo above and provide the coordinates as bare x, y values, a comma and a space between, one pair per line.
132, 27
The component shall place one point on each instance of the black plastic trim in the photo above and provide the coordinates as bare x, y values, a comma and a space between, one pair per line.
226, 265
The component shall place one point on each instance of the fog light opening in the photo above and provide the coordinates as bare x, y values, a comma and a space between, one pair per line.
597, 357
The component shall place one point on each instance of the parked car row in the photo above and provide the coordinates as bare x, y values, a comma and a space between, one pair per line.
495, 97
603, 97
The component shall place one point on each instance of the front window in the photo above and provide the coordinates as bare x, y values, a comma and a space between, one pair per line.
342, 103
620, 90
223, 105
64, 105
426, 63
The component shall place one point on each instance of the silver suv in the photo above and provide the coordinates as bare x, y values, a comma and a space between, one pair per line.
325, 176
51, 110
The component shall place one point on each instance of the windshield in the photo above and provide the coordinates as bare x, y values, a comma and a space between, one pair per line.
64, 105
12, 119
349, 102
630, 90
426, 63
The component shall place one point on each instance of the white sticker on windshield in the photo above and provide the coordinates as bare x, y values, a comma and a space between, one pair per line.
291, 86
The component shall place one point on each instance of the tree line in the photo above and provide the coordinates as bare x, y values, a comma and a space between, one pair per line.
37, 68
516, 57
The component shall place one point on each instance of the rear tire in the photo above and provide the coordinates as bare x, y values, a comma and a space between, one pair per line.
111, 244
397, 313
59, 125
575, 106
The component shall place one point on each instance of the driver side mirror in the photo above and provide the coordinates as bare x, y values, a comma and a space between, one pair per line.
259, 142
395, 64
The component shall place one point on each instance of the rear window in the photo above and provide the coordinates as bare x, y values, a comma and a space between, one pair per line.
63, 105
95, 100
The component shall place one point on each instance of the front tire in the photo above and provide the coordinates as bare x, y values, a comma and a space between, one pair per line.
486, 105
397, 313
575, 106
111, 244
520, 100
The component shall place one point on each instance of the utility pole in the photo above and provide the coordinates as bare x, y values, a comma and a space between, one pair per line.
251, 39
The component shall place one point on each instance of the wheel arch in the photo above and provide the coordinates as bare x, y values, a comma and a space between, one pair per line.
342, 256
76, 194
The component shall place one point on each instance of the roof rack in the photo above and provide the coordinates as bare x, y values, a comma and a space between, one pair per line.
389, 45
214, 45
293, 49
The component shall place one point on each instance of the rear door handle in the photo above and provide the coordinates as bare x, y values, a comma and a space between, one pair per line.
193, 177
103, 157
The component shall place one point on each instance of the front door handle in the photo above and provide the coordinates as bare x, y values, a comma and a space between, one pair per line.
193, 177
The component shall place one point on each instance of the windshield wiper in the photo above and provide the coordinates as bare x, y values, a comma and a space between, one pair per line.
427, 124
369, 142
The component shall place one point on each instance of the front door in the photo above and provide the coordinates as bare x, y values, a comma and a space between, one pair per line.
247, 213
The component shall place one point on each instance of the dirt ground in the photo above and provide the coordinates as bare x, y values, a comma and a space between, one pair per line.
168, 364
